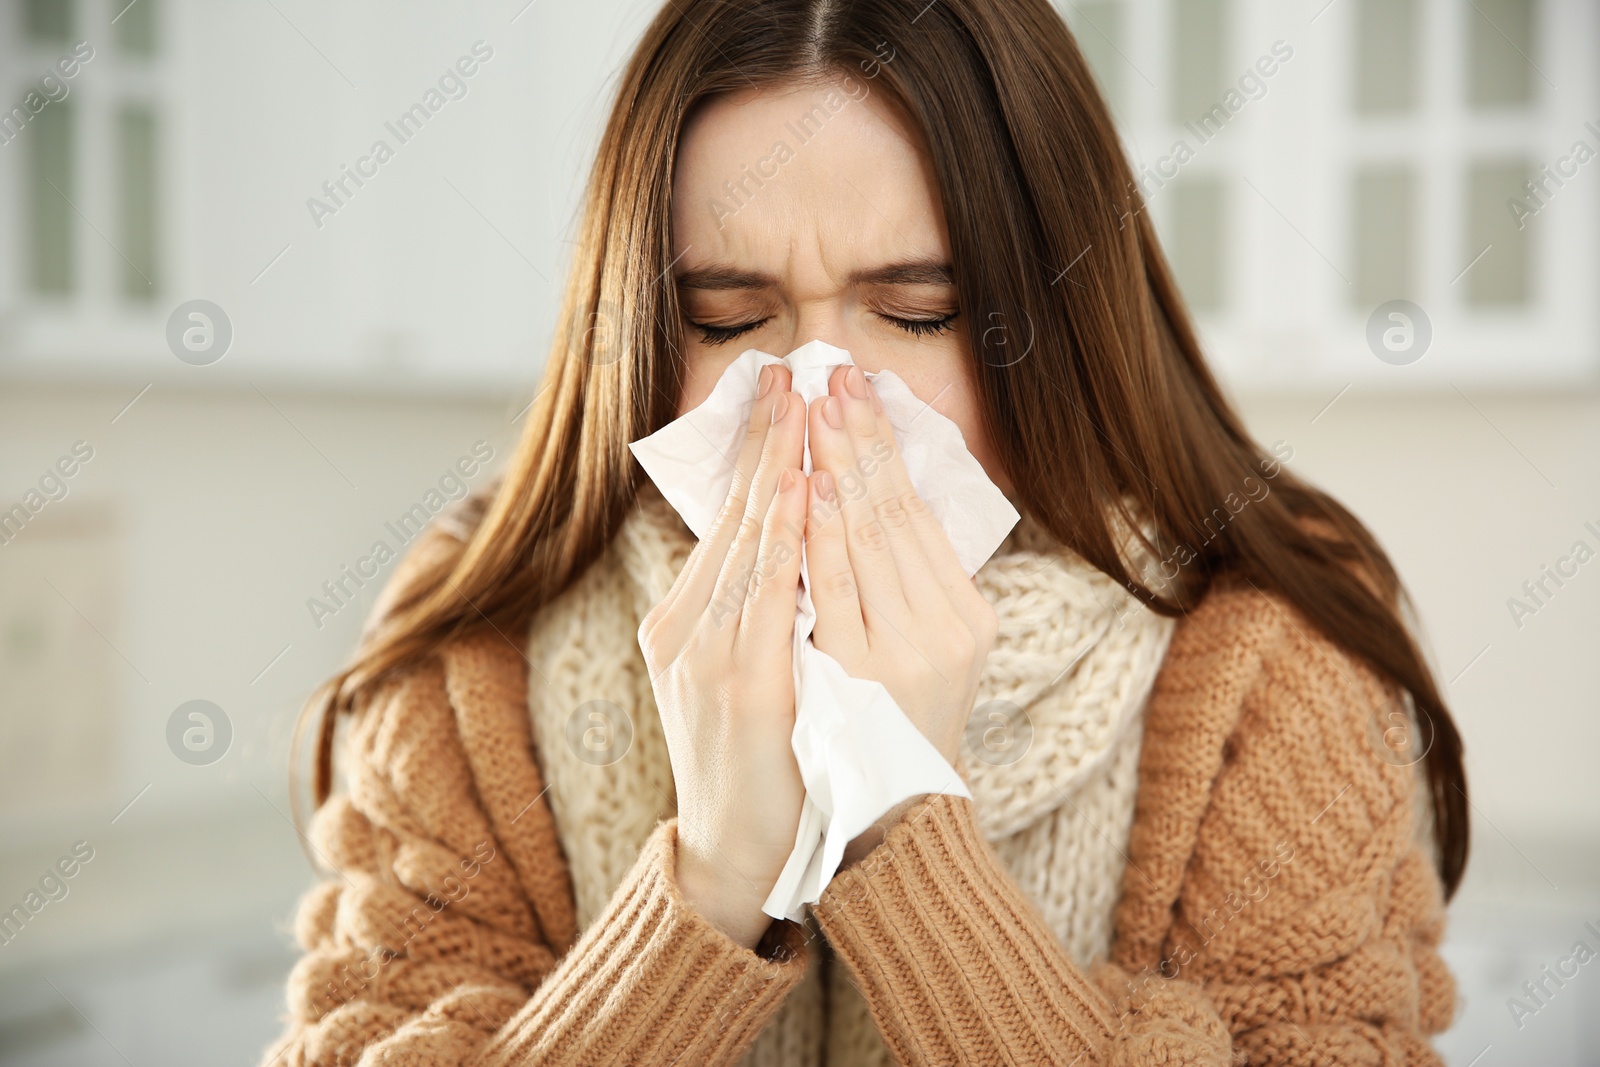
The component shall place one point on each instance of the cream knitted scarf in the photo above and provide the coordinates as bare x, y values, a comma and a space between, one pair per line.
1051, 761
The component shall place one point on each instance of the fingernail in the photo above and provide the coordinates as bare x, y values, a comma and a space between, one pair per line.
856, 382
786, 480
824, 483
830, 413
765, 382
780, 407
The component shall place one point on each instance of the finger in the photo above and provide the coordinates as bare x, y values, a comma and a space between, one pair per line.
766, 625
695, 584
781, 450
938, 556
876, 575
841, 628
882, 551
877, 460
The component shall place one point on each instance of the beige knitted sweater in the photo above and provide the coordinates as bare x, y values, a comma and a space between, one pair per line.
1053, 765
1274, 866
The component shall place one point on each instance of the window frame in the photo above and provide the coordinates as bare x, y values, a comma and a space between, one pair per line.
1289, 163
96, 322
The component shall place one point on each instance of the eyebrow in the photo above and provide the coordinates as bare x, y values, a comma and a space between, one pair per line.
912, 272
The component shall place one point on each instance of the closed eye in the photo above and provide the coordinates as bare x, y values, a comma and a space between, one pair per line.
717, 335
923, 327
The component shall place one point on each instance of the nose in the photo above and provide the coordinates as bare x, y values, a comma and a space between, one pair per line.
824, 320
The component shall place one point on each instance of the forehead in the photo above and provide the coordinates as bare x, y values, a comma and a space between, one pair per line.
825, 173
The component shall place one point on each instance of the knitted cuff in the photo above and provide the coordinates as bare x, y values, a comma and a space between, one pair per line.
654, 981
955, 962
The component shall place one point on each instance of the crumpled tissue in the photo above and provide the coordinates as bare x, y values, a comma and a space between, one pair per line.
858, 753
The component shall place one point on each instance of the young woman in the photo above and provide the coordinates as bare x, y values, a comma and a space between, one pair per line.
1217, 800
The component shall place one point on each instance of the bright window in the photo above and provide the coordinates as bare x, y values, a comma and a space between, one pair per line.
81, 133
1306, 163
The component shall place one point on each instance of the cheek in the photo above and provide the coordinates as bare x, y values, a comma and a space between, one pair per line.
954, 395
939, 376
695, 390
701, 371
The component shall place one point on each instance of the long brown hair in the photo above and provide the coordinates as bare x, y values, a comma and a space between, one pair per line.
1094, 389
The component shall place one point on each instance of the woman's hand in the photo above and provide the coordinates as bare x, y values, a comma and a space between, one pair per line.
893, 602
719, 651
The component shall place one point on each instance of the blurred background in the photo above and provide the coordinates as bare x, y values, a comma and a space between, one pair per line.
241, 344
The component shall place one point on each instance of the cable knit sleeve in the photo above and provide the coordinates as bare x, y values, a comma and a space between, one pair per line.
1279, 905
446, 935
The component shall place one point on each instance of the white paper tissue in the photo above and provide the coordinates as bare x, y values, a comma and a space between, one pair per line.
858, 754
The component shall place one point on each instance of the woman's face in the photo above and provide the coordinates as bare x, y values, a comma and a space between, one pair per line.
809, 211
